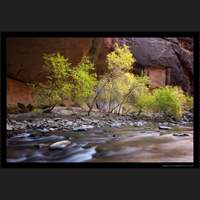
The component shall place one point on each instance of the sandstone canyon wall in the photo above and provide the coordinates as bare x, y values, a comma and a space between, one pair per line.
24, 59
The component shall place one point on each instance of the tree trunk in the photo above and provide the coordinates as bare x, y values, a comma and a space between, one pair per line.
120, 107
48, 110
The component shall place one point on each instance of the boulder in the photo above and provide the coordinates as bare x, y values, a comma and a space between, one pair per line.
165, 127
83, 128
167, 53
60, 144
180, 134
116, 125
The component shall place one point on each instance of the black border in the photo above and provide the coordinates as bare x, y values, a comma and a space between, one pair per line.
5, 164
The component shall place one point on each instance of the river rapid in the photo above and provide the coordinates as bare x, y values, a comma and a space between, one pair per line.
147, 143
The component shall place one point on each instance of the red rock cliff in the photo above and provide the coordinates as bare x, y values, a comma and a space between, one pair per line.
24, 60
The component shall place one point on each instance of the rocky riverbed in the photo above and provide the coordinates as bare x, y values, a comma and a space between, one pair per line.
68, 135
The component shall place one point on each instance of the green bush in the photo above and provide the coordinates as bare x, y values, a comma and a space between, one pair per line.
169, 101
145, 102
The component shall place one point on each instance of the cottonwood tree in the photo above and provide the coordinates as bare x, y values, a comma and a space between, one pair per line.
64, 82
57, 87
118, 62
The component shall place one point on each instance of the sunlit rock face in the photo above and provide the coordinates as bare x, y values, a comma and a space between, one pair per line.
24, 60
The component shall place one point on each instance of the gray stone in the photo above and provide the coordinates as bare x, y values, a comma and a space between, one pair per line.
180, 134
139, 123
83, 128
131, 124
165, 127
44, 130
116, 125
69, 123
60, 145
9, 127
22, 135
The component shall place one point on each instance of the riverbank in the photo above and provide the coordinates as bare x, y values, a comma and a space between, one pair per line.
76, 119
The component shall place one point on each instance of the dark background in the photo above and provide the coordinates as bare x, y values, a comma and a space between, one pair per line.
99, 183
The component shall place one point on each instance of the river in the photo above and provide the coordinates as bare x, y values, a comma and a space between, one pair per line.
125, 144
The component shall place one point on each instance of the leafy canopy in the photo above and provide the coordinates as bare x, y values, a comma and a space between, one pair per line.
63, 82
120, 59
57, 88
84, 81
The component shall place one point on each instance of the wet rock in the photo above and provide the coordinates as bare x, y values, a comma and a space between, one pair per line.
60, 144
180, 134
69, 123
83, 128
130, 123
113, 135
57, 119
139, 123
22, 135
9, 127
165, 128
95, 121
116, 125
44, 130
164, 124
22, 107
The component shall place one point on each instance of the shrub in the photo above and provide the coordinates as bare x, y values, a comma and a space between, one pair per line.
188, 103
145, 102
169, 101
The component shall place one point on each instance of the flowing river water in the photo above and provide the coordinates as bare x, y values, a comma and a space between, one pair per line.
125, 144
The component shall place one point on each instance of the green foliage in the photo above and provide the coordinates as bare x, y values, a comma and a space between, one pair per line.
120, 59
169, 101
63, 82
145, 102
84, 81
189, 101
119, 89
123, 90
57, 88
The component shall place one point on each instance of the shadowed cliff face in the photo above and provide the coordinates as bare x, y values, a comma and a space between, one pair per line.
173, 53
24, 55
24, 59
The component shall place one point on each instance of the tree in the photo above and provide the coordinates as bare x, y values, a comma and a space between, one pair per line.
58, 86
119, 61
64, 82
84, 81
129, 89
